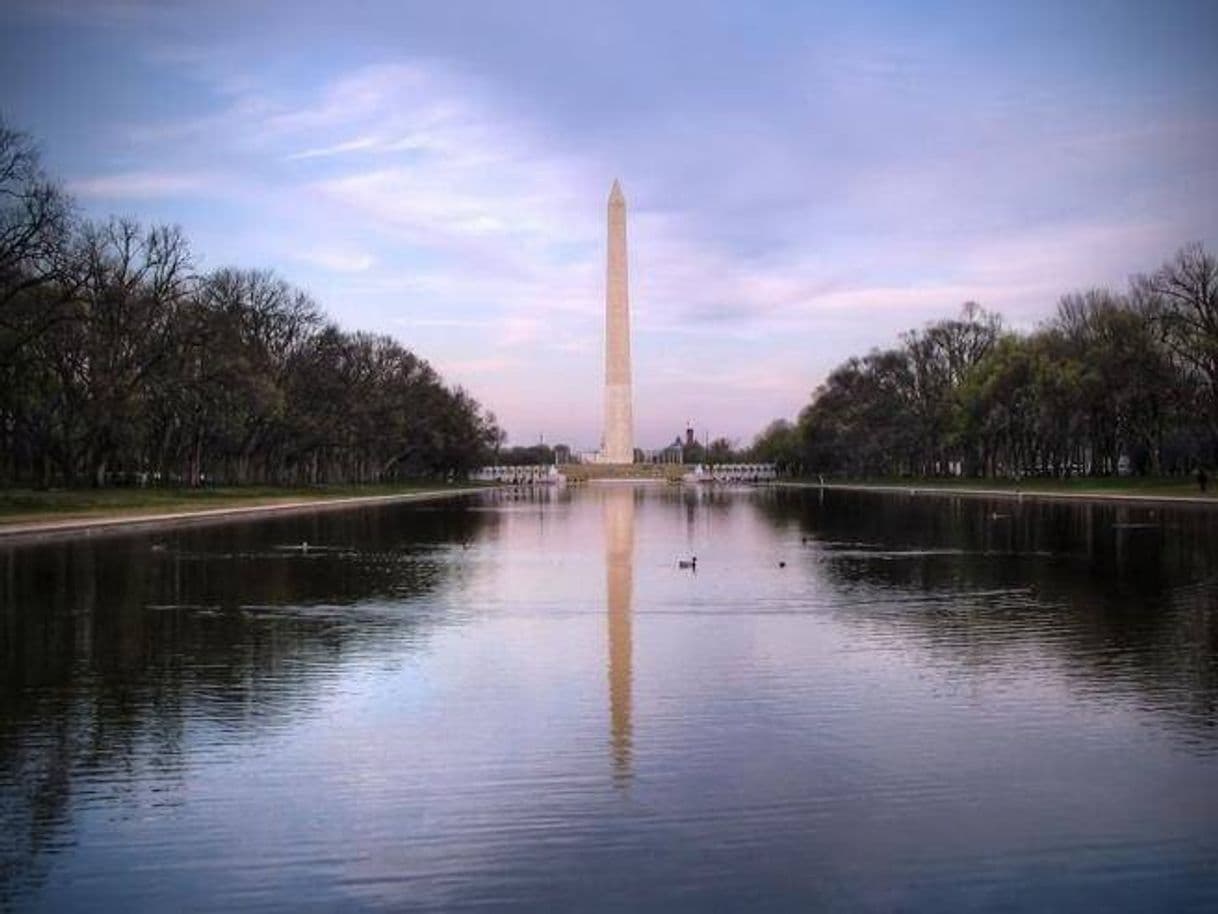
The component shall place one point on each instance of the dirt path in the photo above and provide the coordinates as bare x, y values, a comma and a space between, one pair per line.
52, 527
1013, 494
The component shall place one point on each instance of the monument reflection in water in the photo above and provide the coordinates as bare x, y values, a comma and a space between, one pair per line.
618, 507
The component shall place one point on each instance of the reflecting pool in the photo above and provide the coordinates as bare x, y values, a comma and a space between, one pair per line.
517, 701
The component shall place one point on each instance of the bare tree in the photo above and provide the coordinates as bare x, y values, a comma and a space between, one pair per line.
1182, 298
132, 286
34, 218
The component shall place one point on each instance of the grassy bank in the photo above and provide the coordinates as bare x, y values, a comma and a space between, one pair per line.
26, 505
1144, 486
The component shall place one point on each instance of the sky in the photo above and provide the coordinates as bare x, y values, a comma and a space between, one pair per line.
804, 181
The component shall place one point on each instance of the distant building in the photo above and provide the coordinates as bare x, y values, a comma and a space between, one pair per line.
672, 453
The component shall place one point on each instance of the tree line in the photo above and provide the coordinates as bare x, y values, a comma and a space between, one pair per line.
1114, 382
120, 362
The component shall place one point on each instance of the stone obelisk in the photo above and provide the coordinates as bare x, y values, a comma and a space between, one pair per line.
619, 412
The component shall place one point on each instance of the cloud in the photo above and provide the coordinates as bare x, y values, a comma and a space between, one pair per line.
485, 366
355, 145
95, 12
145, 184
445, 322
339, 260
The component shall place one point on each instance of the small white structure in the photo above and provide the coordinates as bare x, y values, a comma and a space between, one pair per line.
540, 475
732, 472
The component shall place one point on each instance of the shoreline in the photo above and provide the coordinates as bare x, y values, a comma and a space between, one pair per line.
124, 523
1012, 494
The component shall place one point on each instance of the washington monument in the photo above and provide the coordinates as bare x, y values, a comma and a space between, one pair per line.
619, 412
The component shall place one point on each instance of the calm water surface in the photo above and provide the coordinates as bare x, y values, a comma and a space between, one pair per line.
523, 703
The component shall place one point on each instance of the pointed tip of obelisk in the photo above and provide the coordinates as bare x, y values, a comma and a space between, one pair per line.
615, 193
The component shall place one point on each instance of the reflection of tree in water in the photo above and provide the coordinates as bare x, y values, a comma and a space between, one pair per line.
1123, 594
109, 647
715, 498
